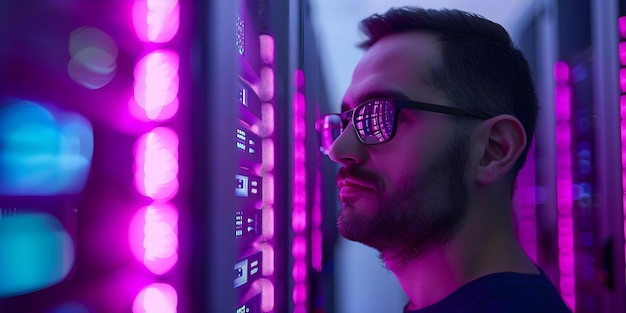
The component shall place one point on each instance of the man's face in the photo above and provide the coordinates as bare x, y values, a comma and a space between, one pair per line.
410, 193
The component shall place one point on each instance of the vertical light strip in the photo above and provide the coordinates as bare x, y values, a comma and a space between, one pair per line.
316, 224
266, 94
299, 214
564, 181
155, 99
622, 104
526, 204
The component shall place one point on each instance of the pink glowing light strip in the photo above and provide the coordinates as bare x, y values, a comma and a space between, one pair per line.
622, 103
156, 164
526, 198
156, 86
156, 298
299, 214
153, 237
564, 184
266, 94
155, 98
316, 225
156, 20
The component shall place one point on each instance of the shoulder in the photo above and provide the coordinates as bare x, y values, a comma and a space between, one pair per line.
503, 292
512, 292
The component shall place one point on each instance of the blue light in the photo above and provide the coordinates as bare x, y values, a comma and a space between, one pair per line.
43, 151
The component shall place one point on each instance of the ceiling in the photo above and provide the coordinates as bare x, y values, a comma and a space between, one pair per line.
335, 22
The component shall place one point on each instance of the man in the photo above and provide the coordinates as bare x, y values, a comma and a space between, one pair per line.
436, 124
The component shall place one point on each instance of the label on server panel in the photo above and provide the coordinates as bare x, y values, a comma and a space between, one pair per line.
247, 225
248, 189
249, 146
253, 305
249, 105
247, 270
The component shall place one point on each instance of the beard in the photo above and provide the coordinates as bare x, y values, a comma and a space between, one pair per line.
424, 213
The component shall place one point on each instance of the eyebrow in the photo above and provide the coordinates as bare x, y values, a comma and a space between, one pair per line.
387, 94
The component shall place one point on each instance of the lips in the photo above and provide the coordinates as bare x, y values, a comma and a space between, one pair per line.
351, 183
351, 189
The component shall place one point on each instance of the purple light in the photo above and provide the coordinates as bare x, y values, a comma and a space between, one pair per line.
267, 252
156, 20
156, 298
622, 102
268, 220
564, 186
622, 26
156, 164
266, 43
561, 73
316, 225
298, 247
299, 294
267, 293
267, 113
156, 86
266, 84
299, 79
622, 53
299, 214
153, 237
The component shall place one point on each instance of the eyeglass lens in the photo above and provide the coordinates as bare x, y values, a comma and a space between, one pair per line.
373, 121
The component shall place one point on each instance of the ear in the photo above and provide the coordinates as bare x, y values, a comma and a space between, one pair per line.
502, 140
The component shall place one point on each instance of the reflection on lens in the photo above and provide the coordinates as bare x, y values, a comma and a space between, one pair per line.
374, 121
328, 129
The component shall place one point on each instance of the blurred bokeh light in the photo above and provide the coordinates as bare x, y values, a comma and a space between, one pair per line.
156, 298
35, 252
93, 57
156, 20
42, 151
153, 236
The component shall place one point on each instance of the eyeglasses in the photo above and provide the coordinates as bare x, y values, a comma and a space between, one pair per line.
375, 121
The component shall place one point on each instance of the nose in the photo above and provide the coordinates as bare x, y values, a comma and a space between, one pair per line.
347, 149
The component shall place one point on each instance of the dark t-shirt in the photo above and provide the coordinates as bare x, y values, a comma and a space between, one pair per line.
502, 292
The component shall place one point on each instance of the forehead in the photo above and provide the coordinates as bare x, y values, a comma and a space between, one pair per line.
397, 65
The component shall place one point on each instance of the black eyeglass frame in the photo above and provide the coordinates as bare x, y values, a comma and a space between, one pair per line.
398, 104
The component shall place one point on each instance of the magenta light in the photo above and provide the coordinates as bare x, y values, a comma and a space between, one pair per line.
267, 111
299, 293
622, 102
567, 282
299, 213
299, 79
266, 43
156, 298
268, 159
267, 254
160, 238
622, 79
266, 288
156, 20
316, 224
156, 164
561, 72
266, 84
156, 86
153, 237
622, 26
622, 53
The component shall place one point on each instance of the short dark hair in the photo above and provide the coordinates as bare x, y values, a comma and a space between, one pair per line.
481, 69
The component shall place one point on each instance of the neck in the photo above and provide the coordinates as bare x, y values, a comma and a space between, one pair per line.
480, 247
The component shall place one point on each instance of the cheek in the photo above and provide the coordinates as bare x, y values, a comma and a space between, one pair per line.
394, 170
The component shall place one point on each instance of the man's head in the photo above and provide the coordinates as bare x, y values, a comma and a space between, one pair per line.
440, 102
480, 67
